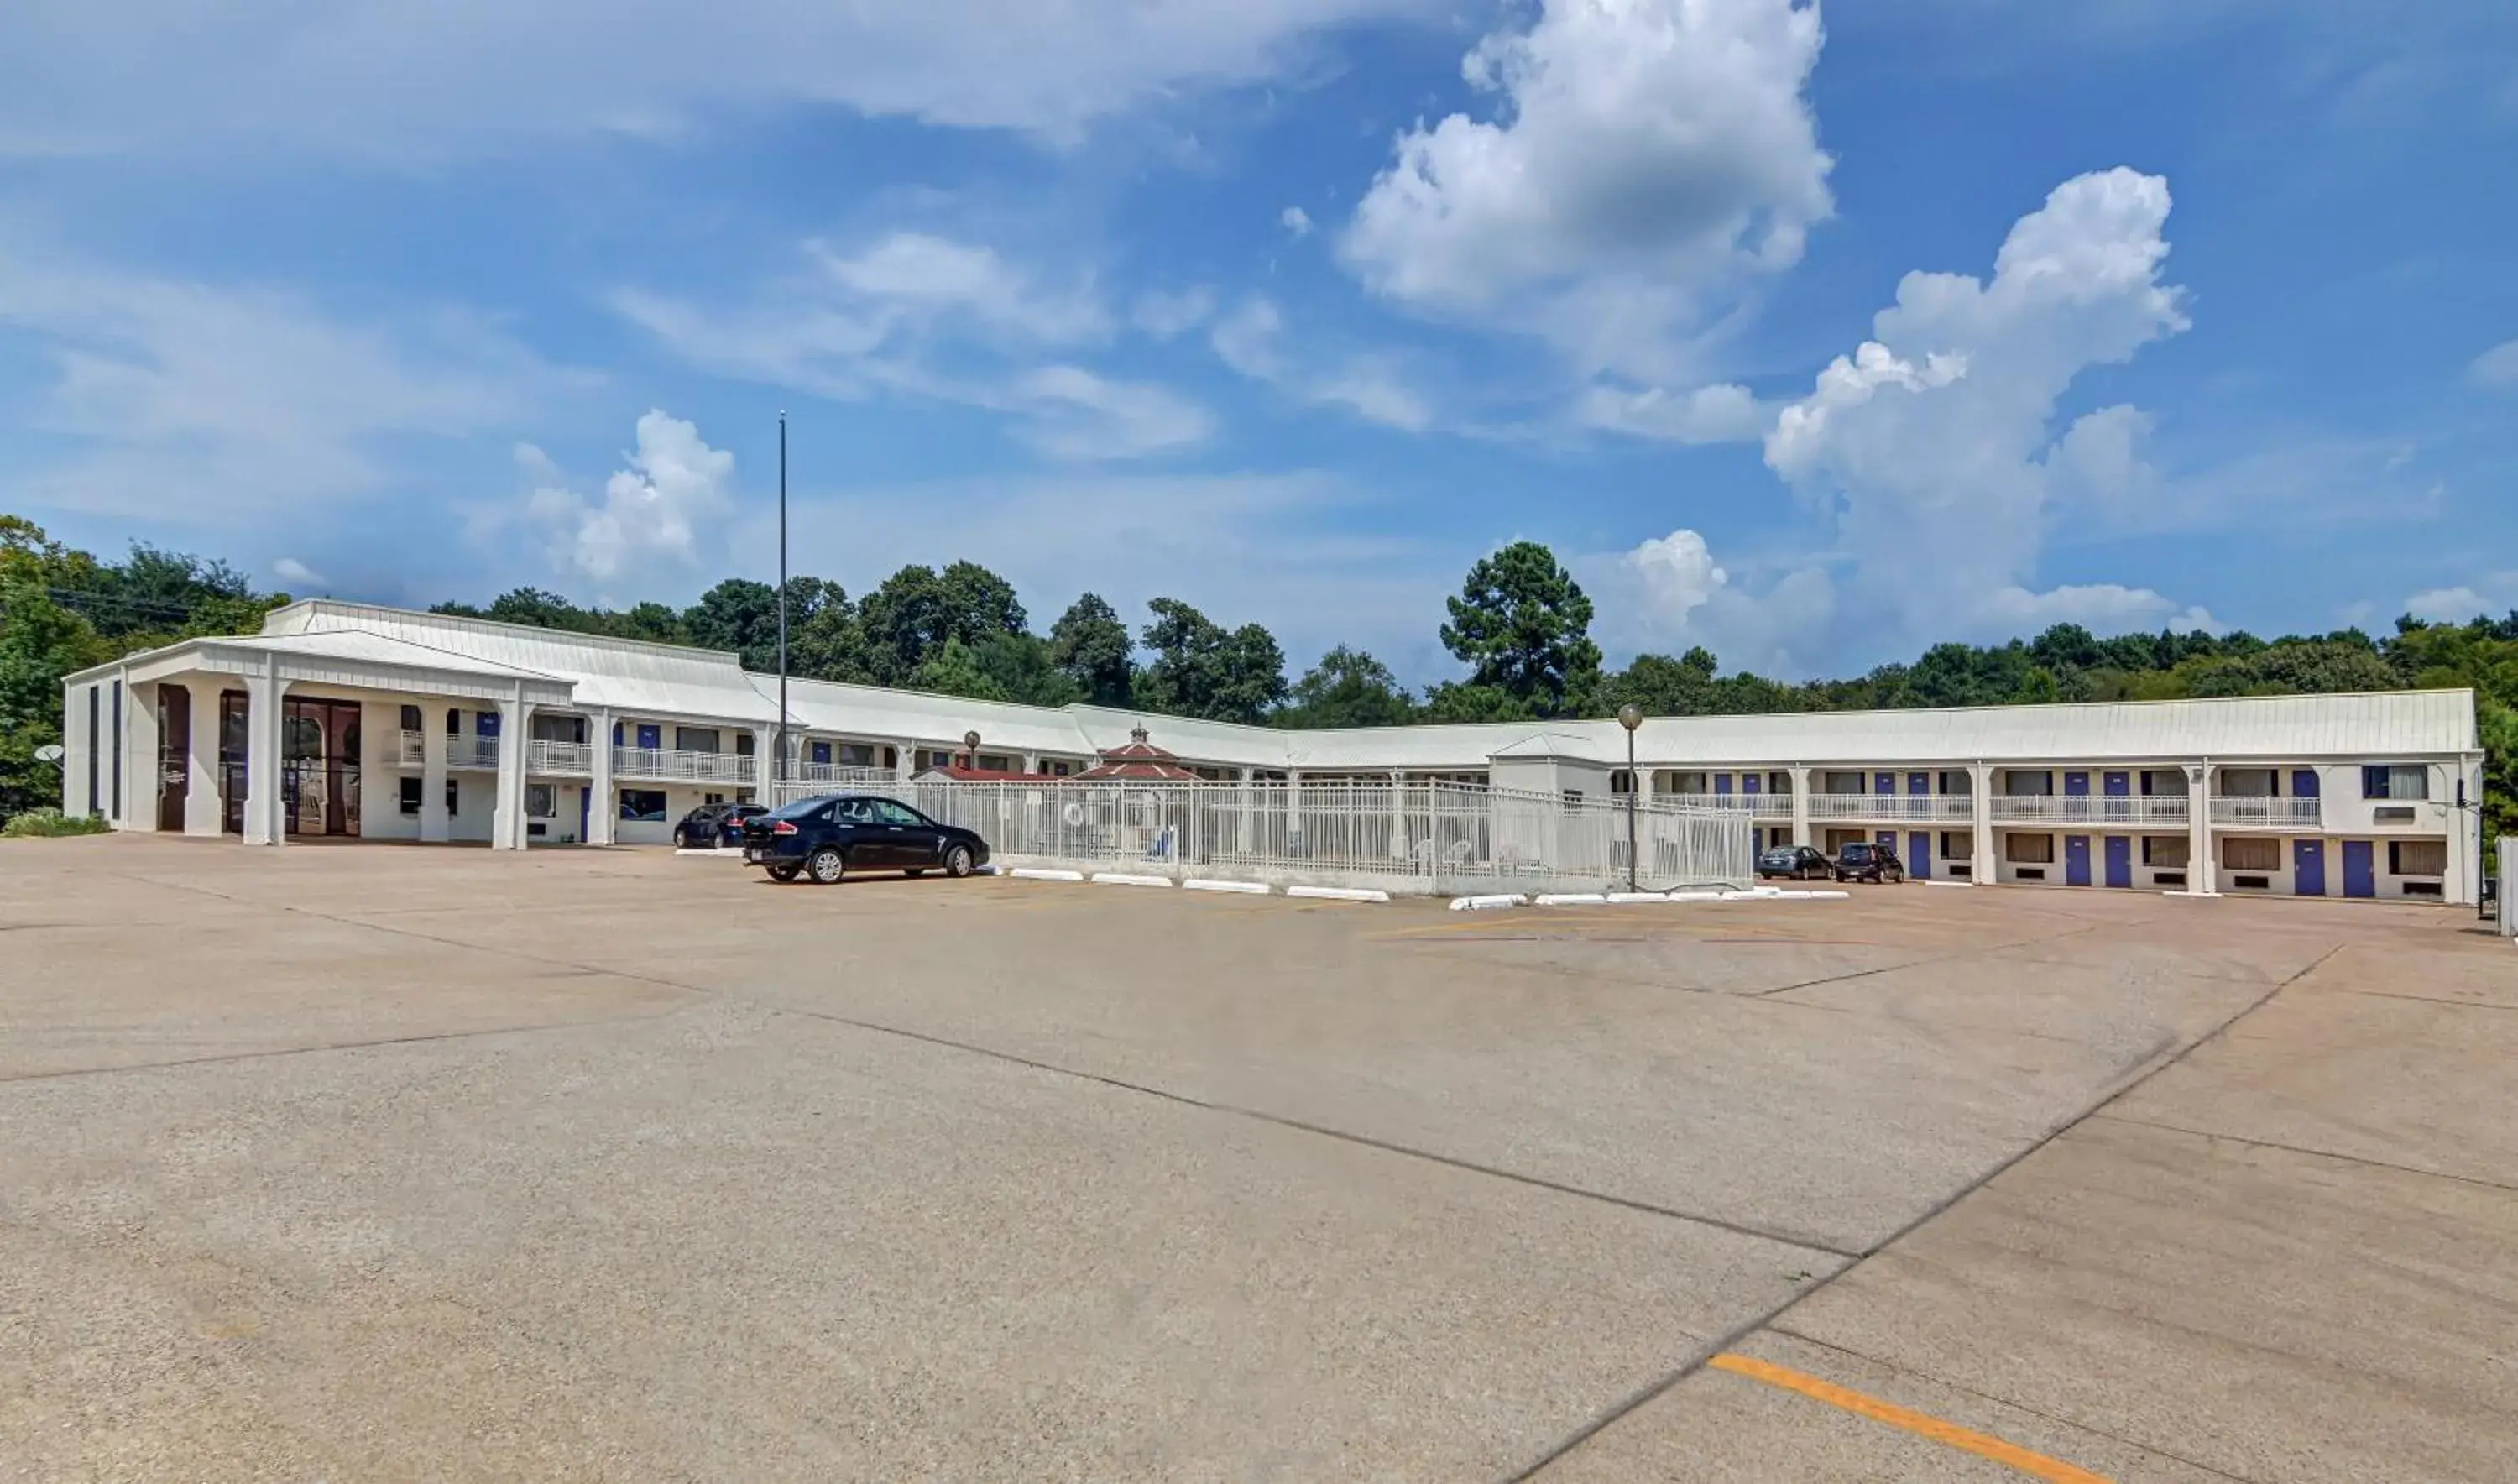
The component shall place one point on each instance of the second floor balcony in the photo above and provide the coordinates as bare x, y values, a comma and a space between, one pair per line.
2128, 810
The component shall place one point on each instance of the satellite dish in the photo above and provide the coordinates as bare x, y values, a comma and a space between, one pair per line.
50, 752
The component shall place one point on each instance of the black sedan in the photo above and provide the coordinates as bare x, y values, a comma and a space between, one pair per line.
713, 826
1859, 862
829, 837
1799, 862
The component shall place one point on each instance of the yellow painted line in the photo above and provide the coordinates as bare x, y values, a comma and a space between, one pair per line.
2035, 1464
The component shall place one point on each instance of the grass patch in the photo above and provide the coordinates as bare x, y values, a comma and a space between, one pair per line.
49, 824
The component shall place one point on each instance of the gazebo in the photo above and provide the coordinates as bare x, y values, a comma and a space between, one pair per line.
1139, 762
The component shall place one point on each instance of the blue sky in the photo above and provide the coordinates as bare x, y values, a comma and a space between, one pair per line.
1814, 335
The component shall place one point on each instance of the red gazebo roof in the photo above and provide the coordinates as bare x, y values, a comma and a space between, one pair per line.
1139, 761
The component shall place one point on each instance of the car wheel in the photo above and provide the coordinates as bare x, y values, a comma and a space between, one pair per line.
782, 873
827, 865
681, 839
958, 862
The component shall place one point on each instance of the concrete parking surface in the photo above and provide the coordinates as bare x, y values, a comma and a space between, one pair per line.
402, 1163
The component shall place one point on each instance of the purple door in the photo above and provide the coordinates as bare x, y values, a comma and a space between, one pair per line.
1749, 783
2360, 868
2076, 783
2308, 867
2303, 783
2119, 861
2118, 785
1919, 855
2076, 860
1919, 784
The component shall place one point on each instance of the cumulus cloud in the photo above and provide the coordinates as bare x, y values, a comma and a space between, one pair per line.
656, 512
1252, 341
290, 570
2496, 367
1931, 451
928, 317
1644, 157
384, 78
2490, 594
1296, 220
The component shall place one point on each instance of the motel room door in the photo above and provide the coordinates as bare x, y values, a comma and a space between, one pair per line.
2119, 860
1919, 855
2360, 868
2076, 860
2308, 867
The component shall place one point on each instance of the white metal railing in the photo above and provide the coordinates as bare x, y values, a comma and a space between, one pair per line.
466, 753
2272, 813
412, 746
681, 767
2091, 809
543, 756
1737, 804
830, 776
1413, 837
1914, 808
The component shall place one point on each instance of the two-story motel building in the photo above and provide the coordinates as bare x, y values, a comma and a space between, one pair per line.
343, 720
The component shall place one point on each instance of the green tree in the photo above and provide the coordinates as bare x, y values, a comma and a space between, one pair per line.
41, 641
740, 615
1348, 687
1092, 647
1453, 701
1523, 626
1021, 668
1202, 669
917, 609
1664, 687
953, 670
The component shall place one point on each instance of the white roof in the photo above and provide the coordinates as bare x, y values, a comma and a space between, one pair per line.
669, 681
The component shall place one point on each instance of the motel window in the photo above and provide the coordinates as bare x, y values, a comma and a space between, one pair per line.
2250, 783
695, 739
2395, 780
1682, 783
1957, 781
453, 722
1957, 844
643, 806
856, 755
2169, 851
542, 800
451, 797
2028, 849
411, 796
410, 718
2251, 852
2168, 782
1779, 783
1839, 783
1002, 764
2029, 783
2416, 858
1621, 781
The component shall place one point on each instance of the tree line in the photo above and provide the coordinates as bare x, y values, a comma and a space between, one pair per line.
1520, 627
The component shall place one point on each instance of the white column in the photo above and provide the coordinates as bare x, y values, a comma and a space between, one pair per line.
765, 772
1250, 783
140, 770
265, 822
201, 812
603, 808
1982, 867
507, 816
436, 826
1800, 805
2203, 873
906, 765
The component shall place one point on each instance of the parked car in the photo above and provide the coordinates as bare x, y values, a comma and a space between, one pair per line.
829, 837
713, 826
1799, 862
1861, 860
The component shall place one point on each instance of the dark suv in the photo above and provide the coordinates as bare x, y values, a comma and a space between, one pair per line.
829, 837
1864, 861
712, 826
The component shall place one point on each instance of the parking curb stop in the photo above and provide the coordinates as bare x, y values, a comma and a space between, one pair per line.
1128, 879
1338, 894
1246, 888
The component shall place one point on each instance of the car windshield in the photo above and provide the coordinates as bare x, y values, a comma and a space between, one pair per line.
1857, 853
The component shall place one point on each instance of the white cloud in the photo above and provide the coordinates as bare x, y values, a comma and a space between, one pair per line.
290, 570
2497, 593
178, 397
1645, 158
1167, 315
929, 317
2496, 367
379, 77
1296, 220
1930, 453
1720, 413
1251, 340
659, 512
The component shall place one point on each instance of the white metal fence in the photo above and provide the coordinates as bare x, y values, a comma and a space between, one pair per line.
1409, 837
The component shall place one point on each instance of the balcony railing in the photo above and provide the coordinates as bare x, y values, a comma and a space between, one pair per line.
841, 774
683, 767
1914, 808
559, 758
1744, 804
475, 754
2269, 813
2169, 810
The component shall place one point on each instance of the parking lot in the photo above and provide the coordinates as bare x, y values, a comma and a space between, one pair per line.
396, 1162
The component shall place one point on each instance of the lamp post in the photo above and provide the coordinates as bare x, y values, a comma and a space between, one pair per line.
970, 740
1631, 716
778, 740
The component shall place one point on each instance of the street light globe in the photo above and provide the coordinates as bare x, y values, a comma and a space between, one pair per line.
970, 740
1630, 716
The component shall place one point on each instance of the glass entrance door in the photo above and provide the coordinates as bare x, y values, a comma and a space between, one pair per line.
320, 747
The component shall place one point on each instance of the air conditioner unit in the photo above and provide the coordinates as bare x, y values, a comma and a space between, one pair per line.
2395, 814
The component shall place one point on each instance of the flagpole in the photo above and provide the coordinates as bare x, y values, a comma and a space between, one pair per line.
778, 744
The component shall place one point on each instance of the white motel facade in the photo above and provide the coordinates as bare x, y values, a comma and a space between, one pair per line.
344, 719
